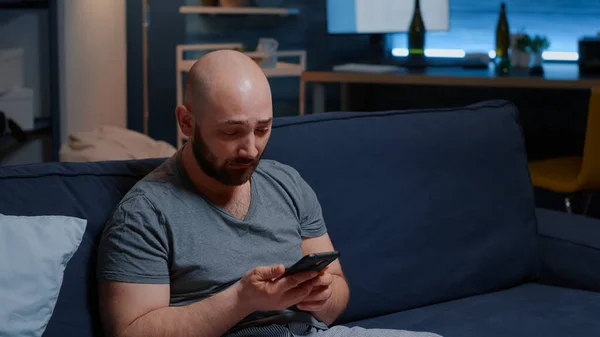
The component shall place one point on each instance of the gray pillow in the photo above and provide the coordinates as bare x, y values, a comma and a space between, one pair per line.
34, 252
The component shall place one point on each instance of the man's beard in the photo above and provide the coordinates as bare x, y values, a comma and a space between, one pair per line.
227, 176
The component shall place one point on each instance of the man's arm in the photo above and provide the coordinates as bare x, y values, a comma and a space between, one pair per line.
134, 292
333, 307
134, 309
330, 297
142, 310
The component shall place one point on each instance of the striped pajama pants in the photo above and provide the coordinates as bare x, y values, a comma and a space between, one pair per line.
302, 329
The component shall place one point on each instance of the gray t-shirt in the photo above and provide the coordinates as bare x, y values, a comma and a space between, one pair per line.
164, 232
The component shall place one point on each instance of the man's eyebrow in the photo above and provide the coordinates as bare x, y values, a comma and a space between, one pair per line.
235, 122
245, 122
265, 121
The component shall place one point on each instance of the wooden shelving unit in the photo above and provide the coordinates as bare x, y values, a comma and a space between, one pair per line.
49, 126
215, 10
280, 68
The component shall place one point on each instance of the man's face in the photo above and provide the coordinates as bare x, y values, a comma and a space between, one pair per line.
231, 125
230, 138
234, 154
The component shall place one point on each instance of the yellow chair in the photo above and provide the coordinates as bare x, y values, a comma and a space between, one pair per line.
575, 174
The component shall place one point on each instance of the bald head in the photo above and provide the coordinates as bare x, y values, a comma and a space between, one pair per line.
227, 115
224, 79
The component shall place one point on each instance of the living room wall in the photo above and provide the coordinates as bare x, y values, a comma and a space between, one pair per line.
92, 63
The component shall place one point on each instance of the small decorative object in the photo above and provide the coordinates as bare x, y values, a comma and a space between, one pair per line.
416, 35
502, 59
233, 3
537, 46
264, 52
209, 3
520, 50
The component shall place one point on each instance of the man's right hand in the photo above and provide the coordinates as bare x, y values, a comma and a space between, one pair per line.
263, 288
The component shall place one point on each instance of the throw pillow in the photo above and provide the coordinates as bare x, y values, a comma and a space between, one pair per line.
34, 252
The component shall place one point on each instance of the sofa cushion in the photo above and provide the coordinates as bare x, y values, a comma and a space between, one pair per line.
528, 310
88, 191
425, 205
34, 251
569, 249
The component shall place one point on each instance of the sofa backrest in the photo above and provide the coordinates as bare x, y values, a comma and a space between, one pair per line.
424, 206
84, 190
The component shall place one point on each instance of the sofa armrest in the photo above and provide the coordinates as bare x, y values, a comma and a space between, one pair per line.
570, 250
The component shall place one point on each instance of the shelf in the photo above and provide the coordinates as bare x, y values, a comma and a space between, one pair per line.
238, 10
283, 69
9, 144
41, 125
24, 4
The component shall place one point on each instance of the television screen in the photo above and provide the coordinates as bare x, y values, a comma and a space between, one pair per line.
384, 16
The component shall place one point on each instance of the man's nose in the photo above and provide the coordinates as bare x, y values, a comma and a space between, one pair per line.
248, 148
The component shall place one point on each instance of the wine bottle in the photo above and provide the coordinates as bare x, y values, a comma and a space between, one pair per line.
416, 34
503, 65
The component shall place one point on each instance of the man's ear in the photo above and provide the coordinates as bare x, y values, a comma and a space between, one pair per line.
185, 119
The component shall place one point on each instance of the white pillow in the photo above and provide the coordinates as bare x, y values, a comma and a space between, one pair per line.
34, 252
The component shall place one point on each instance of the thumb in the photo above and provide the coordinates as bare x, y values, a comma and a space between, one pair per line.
270, 272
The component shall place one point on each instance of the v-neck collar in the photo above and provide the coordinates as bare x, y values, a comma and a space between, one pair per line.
180, 170
251, 206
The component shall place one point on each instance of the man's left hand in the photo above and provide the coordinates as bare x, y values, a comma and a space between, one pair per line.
321, 292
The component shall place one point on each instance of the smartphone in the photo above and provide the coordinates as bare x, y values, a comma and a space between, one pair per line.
312, 262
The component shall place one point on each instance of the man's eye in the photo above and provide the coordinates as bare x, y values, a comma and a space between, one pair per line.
229, 133
262, 130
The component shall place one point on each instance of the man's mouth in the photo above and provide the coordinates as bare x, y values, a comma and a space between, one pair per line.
240, 165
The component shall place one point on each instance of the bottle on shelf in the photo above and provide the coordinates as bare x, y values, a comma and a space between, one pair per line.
502, 60
416, 35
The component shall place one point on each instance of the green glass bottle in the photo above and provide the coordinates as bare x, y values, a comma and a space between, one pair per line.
503, 66
416, 34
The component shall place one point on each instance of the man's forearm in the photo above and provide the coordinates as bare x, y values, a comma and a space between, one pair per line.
336, 303
213, 316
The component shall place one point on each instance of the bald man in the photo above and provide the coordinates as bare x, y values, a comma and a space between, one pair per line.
198, 247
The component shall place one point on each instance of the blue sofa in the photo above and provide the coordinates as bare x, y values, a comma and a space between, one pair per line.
432, 210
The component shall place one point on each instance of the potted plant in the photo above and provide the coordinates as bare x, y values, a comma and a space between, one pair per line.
537, 46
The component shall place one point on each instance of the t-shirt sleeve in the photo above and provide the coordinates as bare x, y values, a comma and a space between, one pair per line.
312, 223
134, 244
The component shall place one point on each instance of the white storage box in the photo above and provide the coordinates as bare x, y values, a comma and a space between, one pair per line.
11, 69
17, 104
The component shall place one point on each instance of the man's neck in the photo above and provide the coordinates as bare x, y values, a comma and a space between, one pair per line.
210, 187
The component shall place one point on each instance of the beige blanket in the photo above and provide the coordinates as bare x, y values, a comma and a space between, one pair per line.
112, 143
